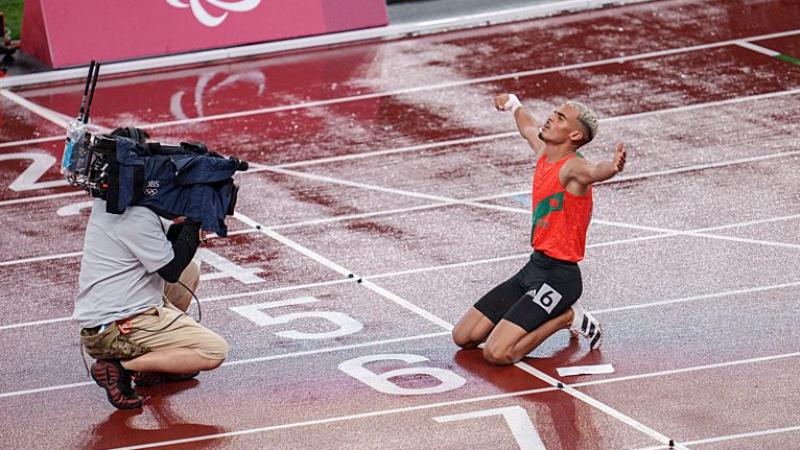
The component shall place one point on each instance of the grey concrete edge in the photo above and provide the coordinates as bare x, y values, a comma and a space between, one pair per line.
388, 32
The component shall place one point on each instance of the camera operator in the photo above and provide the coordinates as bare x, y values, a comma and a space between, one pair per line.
136, 282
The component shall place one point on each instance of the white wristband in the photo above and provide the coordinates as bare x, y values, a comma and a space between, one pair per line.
512, 104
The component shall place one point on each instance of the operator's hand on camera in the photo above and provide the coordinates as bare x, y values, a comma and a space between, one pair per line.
179, 223
175, 229
201, 235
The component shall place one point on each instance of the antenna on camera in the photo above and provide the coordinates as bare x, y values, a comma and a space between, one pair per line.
91, 82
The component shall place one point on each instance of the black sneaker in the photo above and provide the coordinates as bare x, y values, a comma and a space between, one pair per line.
143, 379
111, 376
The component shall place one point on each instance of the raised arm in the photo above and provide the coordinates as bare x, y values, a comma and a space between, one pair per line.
587, 173
526, 124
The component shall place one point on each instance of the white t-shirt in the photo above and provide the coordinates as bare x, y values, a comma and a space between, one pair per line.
121, 254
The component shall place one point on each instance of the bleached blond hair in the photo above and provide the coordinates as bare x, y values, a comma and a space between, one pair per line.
587, 118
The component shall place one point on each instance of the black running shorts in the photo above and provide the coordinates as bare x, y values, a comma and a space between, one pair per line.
540, 291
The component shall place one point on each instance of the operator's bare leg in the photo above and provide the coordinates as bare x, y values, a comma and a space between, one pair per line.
172, 360
177, 294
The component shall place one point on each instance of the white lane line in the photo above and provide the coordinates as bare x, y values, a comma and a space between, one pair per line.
359, 216
247, 361
697, 234
41, 258
509, 134
342, 270
407, 305
732, 437
295, 287
336, 349
748, 241
751, 222
467, 82
292, 244
35, 323
48, 114
13, 262
720, 365
443, 199
204, 300
732, 292
427, 406
406, 193
32, 141
699, 167
392, 151
757, 48
40, 198
622, 417
45, 389
448, 266
696, 106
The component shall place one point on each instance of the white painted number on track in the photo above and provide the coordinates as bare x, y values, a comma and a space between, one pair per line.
344, 323
380, 382
517, 418
226, 268
29, 179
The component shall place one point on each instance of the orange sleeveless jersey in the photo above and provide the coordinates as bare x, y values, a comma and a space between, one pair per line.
560, 219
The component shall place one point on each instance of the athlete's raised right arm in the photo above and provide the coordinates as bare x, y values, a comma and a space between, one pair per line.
526, 124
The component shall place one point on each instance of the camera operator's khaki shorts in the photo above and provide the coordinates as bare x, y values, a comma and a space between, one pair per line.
181, 332
159, 328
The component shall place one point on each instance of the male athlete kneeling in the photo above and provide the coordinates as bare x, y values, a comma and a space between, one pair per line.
519, 314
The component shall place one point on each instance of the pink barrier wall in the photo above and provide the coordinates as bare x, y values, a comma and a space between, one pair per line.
68, 33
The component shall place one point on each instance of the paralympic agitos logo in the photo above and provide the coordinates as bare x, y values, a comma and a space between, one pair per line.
208, 18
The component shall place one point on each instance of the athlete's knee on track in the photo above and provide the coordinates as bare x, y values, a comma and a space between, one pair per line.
498, 355
460, 338
464, 338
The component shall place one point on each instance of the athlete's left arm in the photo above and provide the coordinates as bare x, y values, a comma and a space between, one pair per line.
587, 173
